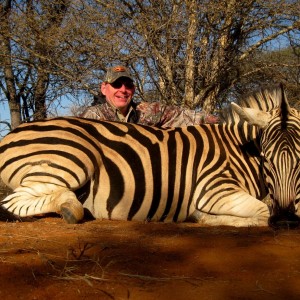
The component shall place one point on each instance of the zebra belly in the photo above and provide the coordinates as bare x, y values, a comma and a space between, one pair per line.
118, 204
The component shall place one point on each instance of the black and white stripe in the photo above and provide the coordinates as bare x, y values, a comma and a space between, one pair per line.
122, 171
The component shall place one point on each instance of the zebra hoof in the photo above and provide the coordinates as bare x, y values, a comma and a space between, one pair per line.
70, 214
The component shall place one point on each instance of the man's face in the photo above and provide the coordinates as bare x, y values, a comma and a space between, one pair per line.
119, 93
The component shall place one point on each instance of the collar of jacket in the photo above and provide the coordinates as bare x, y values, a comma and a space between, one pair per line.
131, 116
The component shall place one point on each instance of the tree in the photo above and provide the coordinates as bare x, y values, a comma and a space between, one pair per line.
48, 49
277, 68
184, 52
26, 53
195, 50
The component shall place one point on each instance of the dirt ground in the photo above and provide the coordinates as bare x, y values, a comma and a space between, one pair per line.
48, 259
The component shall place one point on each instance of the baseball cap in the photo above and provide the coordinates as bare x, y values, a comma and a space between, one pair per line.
116, 72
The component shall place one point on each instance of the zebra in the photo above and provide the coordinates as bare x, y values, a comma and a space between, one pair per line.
213, 174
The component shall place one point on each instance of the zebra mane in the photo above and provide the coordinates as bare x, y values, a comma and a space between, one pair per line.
265, 99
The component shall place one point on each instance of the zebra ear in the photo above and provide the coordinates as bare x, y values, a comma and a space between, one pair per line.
285, 107
251, 115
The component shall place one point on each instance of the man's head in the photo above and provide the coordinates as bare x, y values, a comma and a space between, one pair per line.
118, 87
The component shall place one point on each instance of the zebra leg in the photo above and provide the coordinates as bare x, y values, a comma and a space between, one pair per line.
239, 209
39, 198
70, 208
206, 219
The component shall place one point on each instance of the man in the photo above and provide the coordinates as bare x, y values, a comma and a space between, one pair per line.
118, 88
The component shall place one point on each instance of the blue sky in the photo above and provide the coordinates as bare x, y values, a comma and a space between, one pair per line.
4, 116
64, 110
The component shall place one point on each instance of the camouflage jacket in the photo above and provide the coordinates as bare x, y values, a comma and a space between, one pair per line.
151, 114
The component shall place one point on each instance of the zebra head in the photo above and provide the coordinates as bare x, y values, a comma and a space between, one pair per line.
280, 153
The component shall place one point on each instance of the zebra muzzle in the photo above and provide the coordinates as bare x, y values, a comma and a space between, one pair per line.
284, 218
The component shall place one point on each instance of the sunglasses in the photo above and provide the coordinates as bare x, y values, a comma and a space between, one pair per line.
119, 83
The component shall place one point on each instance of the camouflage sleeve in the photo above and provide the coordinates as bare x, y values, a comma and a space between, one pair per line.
92, 113
100, 112
153, 114
177, 117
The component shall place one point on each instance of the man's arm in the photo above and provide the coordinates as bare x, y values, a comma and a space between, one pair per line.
173, 116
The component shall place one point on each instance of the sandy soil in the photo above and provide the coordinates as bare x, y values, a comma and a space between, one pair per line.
48, 259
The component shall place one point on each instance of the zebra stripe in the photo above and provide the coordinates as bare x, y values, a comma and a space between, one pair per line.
211, 172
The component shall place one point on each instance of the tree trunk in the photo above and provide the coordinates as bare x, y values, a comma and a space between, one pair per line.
190, 63
40, 96
10, 91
